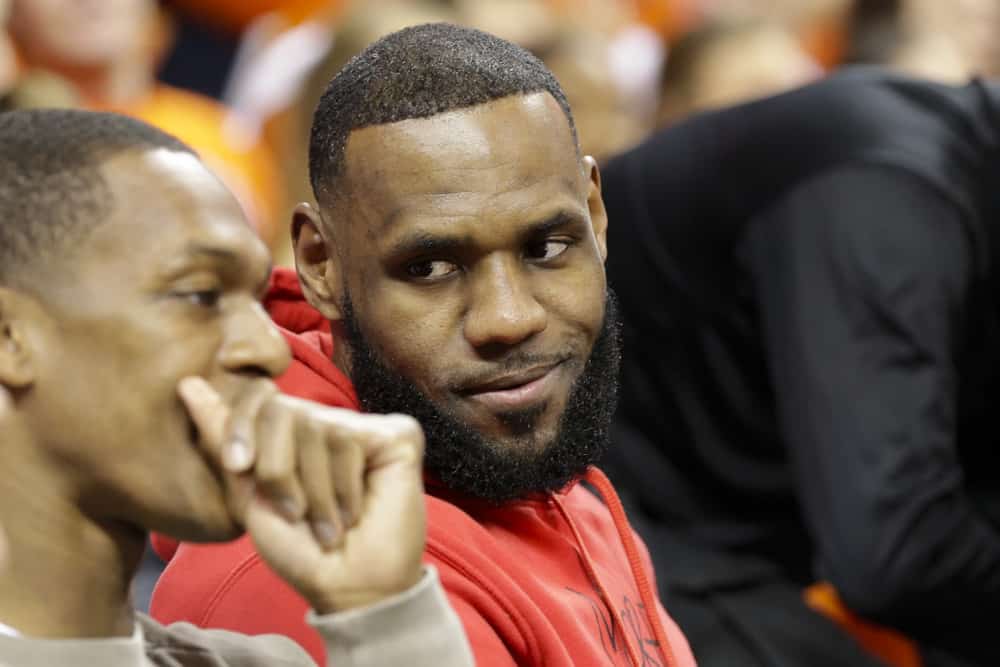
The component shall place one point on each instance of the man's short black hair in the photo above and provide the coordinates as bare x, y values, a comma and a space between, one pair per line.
52, 191
419, 72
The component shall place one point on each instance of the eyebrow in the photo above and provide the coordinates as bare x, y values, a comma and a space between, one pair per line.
211, 251
226, 255
425, 243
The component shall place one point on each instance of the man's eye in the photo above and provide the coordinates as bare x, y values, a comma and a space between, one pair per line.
202, 298
546, 249
431, 269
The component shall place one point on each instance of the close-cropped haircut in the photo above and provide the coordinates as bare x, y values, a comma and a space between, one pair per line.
52, 190
419, 72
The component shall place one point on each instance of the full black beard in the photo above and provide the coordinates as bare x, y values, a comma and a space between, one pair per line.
462, 459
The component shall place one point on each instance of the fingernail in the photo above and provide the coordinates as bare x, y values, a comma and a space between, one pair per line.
326, 532
237, 455
289, 509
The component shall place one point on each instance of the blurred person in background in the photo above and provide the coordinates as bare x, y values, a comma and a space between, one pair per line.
729, 61
946, 41
8, 60
135, 395
811, 372
21, 90
108, 51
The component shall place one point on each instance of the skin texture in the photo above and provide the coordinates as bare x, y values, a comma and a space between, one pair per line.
140, 376
471, 245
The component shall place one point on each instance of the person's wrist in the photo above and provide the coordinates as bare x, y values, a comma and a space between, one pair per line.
346, 600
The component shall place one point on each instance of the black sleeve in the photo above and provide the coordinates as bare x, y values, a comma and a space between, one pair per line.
861, 275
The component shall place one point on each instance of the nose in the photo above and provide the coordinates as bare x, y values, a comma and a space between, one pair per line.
253, 343
503, 311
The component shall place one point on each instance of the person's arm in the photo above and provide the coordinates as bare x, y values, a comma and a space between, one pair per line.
861, 276
416, 628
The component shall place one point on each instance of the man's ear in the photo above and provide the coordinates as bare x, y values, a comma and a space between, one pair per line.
18, 360
316, 261
598, 216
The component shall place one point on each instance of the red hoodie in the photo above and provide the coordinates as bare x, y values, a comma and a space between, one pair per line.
555, 580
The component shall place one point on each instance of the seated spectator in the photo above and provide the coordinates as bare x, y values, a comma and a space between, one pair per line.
945, 41
729, 61
456, 257
811, 368
135, 395
20, 90
108, 52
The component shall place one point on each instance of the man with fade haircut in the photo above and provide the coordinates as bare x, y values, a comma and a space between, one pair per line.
457, 259
135, 395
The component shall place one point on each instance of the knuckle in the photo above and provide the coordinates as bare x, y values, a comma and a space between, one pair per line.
408, 429
271, 410
272, 474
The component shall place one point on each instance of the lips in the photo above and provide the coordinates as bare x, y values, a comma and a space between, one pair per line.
515, 391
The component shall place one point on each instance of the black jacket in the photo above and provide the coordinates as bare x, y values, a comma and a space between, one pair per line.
812, 377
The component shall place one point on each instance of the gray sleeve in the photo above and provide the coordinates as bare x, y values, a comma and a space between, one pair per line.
417, 628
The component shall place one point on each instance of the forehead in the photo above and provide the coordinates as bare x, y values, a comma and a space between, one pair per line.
518, 151
164, 202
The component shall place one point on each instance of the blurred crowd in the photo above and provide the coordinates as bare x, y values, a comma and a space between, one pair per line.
238, 80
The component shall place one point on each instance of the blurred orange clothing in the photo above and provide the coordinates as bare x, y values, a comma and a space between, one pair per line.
249, 171
888, 645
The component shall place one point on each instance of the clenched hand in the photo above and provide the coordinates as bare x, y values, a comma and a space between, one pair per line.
332, 498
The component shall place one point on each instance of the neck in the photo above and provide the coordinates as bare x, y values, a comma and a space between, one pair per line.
68, 574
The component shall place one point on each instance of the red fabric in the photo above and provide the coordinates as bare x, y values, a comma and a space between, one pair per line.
551, 580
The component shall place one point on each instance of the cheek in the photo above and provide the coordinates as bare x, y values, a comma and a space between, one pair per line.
574, 298
416, 331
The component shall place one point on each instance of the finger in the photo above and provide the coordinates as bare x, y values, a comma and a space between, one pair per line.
276, 471
240, 491
347, 467
317, 482
208, 411
372, 432
239, 450
289, 548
